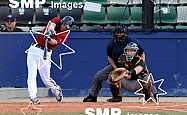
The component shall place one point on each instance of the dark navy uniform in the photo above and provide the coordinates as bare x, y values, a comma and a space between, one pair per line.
114, 50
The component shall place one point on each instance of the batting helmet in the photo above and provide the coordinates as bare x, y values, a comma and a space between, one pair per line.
67, 21
133, 47
119, 34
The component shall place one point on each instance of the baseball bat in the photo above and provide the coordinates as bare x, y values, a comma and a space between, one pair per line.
45, 50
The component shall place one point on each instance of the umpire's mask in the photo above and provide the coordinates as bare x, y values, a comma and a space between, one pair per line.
120, 35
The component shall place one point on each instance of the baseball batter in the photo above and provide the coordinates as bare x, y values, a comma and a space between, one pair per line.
36, 51
136, 69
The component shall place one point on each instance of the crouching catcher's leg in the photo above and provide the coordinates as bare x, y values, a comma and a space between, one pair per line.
147, 86
116, 93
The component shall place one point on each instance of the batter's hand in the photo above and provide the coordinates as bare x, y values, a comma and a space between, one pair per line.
47, 35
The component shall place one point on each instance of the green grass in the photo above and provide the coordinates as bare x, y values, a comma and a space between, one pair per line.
123, 113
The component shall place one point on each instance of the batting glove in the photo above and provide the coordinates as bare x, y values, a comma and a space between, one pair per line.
47, 35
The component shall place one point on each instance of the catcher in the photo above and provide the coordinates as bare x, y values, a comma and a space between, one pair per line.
132, 68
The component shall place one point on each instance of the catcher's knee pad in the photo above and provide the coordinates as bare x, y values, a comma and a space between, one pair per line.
147, 82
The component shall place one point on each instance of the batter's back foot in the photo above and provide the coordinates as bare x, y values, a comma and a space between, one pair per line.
59, 97
35, 101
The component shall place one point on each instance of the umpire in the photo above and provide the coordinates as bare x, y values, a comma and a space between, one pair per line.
115, 48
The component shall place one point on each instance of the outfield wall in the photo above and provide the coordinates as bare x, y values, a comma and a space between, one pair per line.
165, 56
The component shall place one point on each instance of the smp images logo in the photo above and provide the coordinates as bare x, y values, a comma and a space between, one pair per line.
38, 3
26, 3
105, 111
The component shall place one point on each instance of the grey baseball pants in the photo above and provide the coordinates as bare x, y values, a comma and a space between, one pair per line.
102, 75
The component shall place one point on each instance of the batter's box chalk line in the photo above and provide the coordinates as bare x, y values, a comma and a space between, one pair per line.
151, 98
49, 59
22, 109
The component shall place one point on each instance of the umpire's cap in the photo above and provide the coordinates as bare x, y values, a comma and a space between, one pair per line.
67, 21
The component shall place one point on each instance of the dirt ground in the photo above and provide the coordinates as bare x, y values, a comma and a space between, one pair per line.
21, 106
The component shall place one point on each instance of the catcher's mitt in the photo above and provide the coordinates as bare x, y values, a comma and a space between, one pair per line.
118, 74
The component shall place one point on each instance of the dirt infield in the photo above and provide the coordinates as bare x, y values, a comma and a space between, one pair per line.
50, 106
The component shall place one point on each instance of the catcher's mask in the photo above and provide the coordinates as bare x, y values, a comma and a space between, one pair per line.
67, 21
130, 51
119, 34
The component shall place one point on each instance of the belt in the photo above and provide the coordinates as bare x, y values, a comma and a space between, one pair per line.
38, 46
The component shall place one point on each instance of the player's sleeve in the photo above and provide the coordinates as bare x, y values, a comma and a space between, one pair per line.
142, 63
62, 38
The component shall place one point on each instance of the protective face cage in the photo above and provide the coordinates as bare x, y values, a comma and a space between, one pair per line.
67, 21
119, 38
128, 50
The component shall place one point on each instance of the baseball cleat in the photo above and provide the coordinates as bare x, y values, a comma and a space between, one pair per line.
114, 100
90, 98
59, 98
35, 101
156, 97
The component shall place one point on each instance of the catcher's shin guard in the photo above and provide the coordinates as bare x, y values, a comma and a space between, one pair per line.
116, 93
147, 86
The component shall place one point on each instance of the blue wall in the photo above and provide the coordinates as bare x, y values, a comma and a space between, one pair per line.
165, 56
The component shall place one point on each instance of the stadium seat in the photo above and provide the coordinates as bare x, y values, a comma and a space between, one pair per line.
182, 14
23, 15
169, 17
98, 1
157, 13
169, 2
75, 13
182, 1
166, 2
166, 19
136, 15
91, 17
116, 14
137, 2
4, 11
44, 14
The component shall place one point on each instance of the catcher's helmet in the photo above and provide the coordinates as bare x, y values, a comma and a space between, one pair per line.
67, 21
131, 50
119, 34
